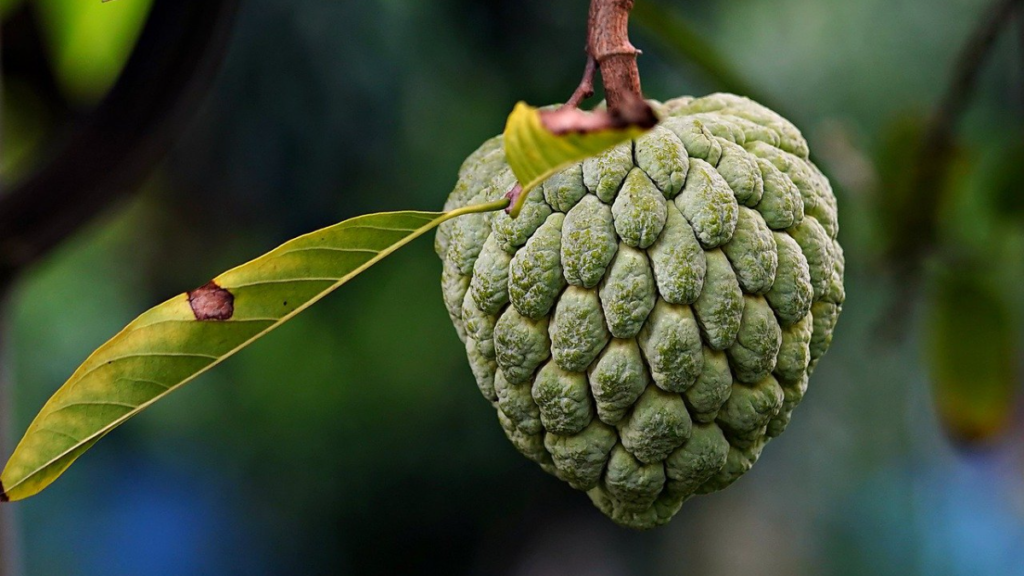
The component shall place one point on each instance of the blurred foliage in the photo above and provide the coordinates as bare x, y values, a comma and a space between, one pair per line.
8, 5
898, 203
666, 25
325, 110
24, 129
971, 349
89, 42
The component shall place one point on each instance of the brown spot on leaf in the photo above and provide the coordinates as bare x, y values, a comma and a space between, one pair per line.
3, 494
211, 302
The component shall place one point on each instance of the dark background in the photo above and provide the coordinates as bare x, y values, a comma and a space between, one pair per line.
354, 441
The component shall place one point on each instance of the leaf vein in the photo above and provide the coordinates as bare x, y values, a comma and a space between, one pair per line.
143, 381
382, 228
63, 407
59, 433
142, 355
277, 281
193, 321
329, 249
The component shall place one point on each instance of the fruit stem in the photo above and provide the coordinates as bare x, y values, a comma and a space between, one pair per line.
608, 44
608, 49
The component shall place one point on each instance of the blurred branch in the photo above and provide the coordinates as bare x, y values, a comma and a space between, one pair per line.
1020, 50
25, 58
933, 161
968, 67
669, 27
934, 154
110, 152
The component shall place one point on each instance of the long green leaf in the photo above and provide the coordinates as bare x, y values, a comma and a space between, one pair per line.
174, 342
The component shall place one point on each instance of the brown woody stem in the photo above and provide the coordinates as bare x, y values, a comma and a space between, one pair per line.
609, 49
608, 43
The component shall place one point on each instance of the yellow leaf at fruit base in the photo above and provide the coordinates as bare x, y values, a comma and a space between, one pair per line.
534, 152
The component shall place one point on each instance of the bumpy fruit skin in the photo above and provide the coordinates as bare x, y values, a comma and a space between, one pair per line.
650, 320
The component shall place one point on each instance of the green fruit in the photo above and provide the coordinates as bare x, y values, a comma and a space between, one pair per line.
651, 318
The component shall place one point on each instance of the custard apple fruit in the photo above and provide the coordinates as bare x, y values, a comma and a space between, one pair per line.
650, 319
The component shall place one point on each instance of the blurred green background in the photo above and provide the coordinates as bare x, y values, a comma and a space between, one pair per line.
353, 440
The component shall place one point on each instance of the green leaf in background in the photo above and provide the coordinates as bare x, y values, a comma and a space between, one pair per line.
90, 41
1006, 174
535, 152
915, 189
896, 202
171, 344
25, 128
971, 355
